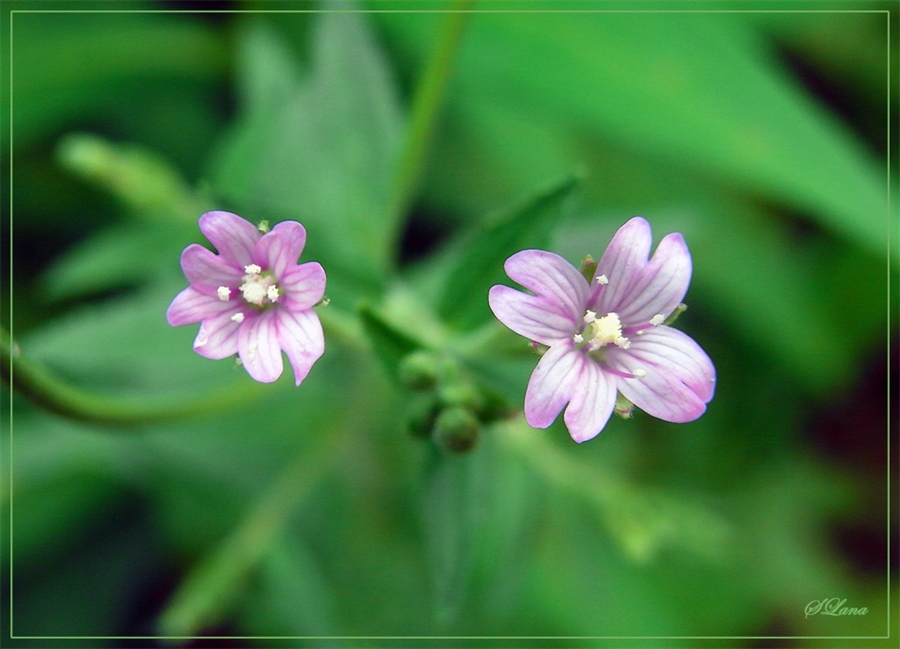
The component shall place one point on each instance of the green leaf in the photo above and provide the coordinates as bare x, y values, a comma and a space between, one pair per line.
479, 511
479, 263
390, 344
320, 150
86, 57
293, 596
693, 91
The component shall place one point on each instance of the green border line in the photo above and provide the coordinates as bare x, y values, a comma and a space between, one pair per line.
886, 12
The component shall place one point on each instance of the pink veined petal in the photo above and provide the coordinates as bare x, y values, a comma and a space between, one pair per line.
303, 286
623, 259
551, 277
280, 249
206, 271
553, 383
258, 347
191, 306
680, 377
661, 284
532, 316
592, 403
232, 236
300, 336
218, 336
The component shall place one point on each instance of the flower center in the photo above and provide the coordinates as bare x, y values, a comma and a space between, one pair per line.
608, 330
258, 287
603, 331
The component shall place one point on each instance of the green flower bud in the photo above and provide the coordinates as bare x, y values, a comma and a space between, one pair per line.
623, 407
456, 429
421, 418
419, 371
459, 393
588, 268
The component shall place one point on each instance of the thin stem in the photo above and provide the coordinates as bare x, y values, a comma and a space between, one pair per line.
206, 592
47, 391
425, 106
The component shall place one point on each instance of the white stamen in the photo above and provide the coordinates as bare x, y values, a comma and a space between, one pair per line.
224, 293
608, 329
272, 293
254, 291
589, 317
658, 319
238, 317
639, 373
602, 280
252, 269
578, 338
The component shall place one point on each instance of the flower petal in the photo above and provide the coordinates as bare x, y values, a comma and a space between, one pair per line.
553, 383
592, 402
232, 236
192, 306
303, 285
621, 263
207, 271
661, 284
551, 277
532, 316
218, 336
280, 249
258, 347
300, 336
680, 377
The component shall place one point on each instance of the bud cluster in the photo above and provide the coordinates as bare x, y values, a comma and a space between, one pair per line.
451, 408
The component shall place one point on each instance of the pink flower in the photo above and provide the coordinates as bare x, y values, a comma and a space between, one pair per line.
607, 337
252, 299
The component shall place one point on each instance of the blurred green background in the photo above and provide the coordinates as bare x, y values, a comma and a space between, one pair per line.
319, 511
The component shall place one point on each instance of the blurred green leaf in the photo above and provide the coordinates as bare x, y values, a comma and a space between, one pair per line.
292, 596
479, 261
478, 511
320, 150
85, 60
695, 91
390, 345
106, 261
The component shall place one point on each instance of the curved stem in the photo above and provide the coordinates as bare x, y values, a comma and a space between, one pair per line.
47, 391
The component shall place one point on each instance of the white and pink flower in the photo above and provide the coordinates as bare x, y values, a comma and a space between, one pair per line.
252, 299
607, 336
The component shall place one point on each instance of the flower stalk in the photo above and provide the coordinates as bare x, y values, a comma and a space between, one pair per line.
47, 391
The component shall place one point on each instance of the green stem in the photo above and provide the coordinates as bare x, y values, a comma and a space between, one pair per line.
47, 391
206, 592
426, 103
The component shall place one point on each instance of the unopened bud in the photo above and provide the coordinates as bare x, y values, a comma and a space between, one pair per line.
456, 429
588, 268
460, 393
422, 415
419, 371
623, 407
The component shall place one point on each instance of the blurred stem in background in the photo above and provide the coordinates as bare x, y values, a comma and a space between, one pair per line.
47, 391
426, 104
203, 596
